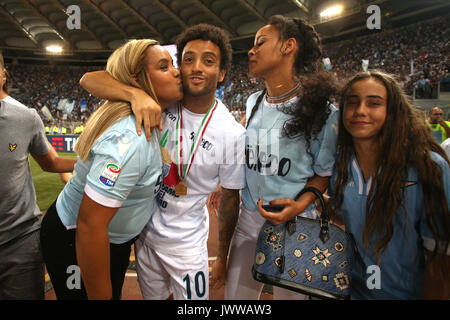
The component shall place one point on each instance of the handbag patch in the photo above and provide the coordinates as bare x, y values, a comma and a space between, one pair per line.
278, 262
273, 239
308, 275
292, 273
260, 258
341, 280
297, 253
302, 237
321, 256
339, 247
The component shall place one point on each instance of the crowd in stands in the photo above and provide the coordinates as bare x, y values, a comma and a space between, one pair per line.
37, 86
423, 46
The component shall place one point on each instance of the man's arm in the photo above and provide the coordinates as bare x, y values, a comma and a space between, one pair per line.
92, 247
228, 215
102, 85
51, 162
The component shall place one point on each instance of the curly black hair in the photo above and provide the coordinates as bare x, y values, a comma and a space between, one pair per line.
311, 112
216, 35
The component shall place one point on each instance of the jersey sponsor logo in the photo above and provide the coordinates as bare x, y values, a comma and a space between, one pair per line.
170, 115
205, 144
109, 174
266, 164
12, 147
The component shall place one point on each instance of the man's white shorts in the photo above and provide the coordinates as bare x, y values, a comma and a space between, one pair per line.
160, 274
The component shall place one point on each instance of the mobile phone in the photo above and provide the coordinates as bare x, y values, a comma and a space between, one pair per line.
273, 207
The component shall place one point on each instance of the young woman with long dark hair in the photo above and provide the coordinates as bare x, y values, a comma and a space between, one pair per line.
392, 188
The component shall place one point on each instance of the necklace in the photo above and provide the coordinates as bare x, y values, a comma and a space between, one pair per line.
183, 168
285, 95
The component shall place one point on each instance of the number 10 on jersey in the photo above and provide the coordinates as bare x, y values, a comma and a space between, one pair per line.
199, 285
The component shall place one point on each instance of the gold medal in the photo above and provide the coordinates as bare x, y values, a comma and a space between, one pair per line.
181, 189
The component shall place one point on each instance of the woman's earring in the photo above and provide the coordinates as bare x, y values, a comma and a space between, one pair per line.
283, 53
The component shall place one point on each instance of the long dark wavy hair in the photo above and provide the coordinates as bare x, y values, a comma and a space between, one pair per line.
404, 140
313, 108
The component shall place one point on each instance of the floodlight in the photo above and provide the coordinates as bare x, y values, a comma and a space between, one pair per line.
54, 49
331, 11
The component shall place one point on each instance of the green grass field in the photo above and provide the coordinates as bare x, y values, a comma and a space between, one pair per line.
48, 185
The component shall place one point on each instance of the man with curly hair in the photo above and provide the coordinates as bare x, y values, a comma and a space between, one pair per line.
202, 147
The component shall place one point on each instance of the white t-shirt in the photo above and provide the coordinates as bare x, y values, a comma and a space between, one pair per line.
180, 224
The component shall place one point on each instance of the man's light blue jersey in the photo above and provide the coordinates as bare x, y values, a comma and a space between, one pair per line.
402, 265
278, 166
121, 172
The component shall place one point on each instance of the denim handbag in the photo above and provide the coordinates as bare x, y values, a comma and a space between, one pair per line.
309, 256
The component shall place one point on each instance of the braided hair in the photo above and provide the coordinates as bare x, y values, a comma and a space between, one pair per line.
311, 112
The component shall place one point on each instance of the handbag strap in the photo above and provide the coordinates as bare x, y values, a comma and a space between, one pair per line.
324, 217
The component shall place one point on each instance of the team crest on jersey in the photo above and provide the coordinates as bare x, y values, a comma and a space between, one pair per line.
109, 174
12, 147
170, 170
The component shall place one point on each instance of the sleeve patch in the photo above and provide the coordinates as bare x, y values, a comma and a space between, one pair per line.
109, 174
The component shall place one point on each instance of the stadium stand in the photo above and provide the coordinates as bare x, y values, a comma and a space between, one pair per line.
424, 44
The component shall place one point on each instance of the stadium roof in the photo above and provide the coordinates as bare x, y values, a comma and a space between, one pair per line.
28, 26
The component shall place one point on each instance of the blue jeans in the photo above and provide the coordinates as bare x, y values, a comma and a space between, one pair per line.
22, 269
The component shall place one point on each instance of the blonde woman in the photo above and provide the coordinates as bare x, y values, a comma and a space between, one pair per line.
108, 201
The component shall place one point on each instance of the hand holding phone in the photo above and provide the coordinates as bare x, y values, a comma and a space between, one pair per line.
273, 207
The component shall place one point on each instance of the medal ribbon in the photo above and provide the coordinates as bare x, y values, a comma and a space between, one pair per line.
183, 169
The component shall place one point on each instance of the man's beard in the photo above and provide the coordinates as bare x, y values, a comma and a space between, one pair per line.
197, 93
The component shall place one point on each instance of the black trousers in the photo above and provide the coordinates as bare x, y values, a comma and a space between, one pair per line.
58, 249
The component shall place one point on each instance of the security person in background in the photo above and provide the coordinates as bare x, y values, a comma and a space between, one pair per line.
55, 129
63, 130
439, 127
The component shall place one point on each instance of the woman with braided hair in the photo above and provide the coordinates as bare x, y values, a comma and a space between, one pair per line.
291, 139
